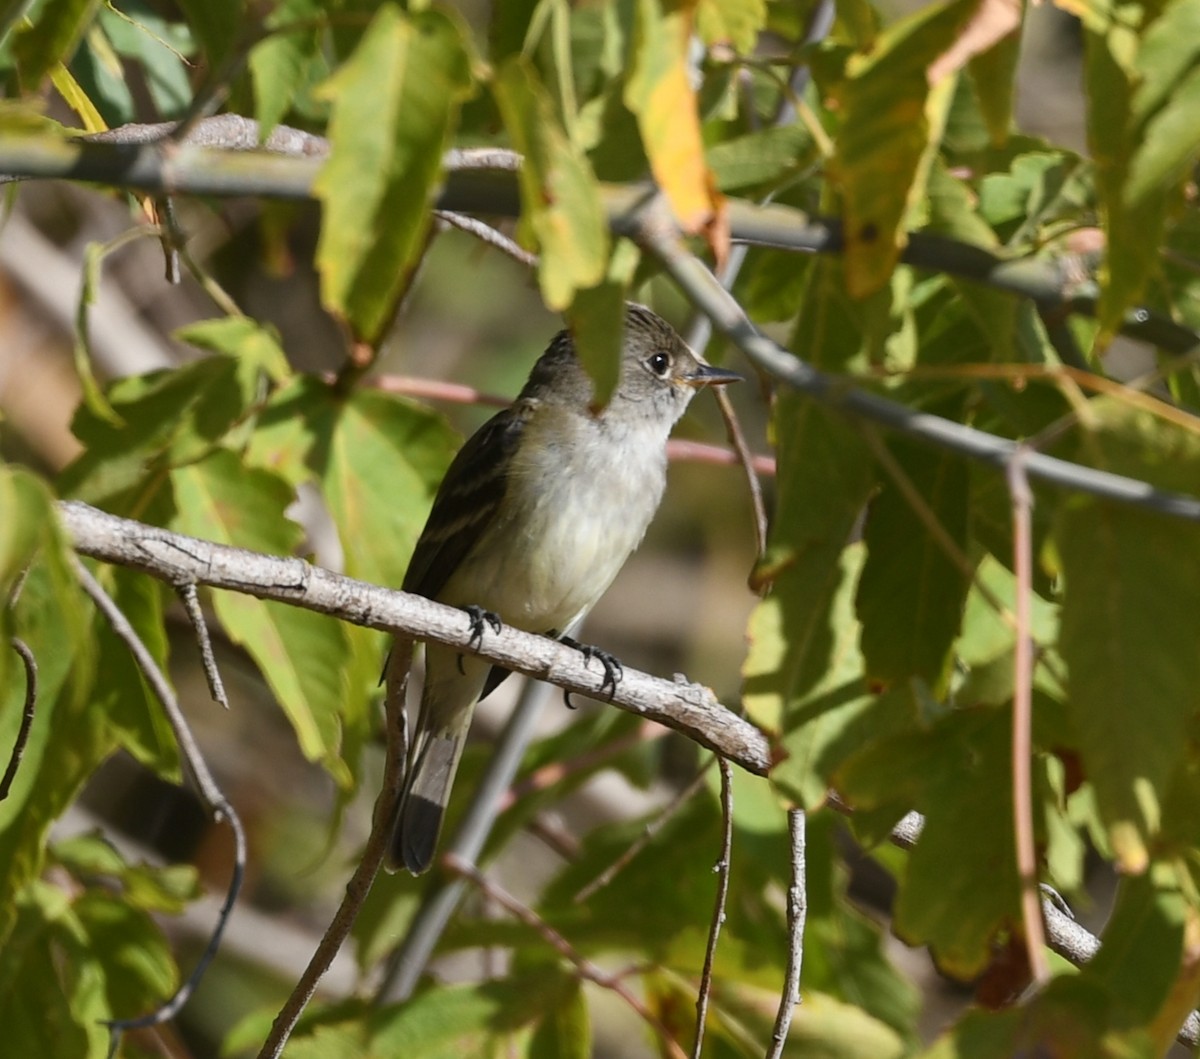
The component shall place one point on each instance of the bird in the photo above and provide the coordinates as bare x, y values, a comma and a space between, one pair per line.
533, 520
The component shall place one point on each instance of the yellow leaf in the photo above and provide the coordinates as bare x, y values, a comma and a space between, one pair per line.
659, 93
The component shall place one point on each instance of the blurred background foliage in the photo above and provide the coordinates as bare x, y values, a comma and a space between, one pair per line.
246, 403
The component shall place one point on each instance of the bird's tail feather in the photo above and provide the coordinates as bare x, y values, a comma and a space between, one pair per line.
426, 795
447, 703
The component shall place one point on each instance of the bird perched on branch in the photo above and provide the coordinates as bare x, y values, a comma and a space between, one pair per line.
533, 520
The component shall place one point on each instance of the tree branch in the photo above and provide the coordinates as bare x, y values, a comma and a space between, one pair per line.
483, 180
688, 708
652, 227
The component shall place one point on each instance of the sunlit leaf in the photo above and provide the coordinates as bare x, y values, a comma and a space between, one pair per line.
1130, 623
561, 207
395, 102
911, 594
52, 37
885, 135
960, 888
659, 93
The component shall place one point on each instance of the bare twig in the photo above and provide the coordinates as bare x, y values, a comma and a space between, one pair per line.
718, 917
797, 913
27, 714
647, 835
557, 771
737, 439
487, 234
587, 970
206, 786
409, 961
190, 599
369, 862
688, 708
1022, 730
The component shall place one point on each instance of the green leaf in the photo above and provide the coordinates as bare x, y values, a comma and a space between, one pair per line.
254, 345
885, 135
911, 594
120, 692
494, 1017
1131, 616
287, 62
51, 988
994, 75
565, 1031
759, 158
1143, 946
168, 418
302, 655
596, 318
159, 47
560, 199
395, 103
733, 22
68, 738
216, 24
1069, 1019
378, 459
51, 38
820, 455
960, 887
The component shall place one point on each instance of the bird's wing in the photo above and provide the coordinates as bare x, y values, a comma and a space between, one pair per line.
466, 501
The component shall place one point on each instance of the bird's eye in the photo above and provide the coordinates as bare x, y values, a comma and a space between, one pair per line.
659, 363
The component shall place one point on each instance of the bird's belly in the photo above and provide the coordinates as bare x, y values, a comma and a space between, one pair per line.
567, 536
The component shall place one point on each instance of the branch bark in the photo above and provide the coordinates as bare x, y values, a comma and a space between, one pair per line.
172, 557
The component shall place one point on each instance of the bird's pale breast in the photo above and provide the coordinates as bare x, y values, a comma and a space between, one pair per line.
580, 512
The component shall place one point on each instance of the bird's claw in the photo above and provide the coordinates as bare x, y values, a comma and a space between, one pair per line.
613, 670
479, 618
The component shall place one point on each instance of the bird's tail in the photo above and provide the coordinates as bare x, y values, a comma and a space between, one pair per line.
447, 703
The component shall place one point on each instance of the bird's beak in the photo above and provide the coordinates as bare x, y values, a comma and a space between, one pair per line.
707, 375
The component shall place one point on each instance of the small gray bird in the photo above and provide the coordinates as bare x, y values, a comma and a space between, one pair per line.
535, 517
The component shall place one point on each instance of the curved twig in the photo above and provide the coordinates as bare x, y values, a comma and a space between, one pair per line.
369, 862
206, 786
27, 714
718, 916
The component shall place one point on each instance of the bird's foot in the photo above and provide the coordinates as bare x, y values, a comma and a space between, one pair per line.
613, 670
479, 618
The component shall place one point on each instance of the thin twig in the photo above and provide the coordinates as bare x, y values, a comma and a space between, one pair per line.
647, 835
557, 771
359, 886
206, 786
555, 837
190, 599
1022, 722
718, 916
487, 234
27, 714
797, 913
737, 438
586, 969
409, 961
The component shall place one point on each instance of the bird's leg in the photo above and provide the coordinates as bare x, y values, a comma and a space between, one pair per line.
479, 618
613, 670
